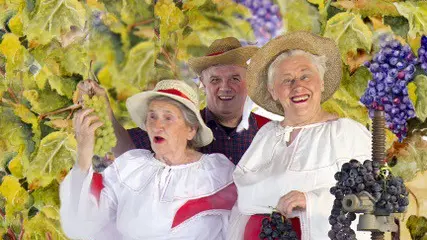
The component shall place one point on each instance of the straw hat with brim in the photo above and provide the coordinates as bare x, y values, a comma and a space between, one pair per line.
177, 90
224, 51
256, 76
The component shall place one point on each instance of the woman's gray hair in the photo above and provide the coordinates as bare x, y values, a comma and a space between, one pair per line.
318, 61
190, 117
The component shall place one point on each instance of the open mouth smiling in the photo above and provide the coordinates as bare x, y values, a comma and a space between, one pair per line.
300, 98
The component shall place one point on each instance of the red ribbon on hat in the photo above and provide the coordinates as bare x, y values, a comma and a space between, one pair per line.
214, 54
175, 92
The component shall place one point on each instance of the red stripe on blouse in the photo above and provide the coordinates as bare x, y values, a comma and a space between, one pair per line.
223, 199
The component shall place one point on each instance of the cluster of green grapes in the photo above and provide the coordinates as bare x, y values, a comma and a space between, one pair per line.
104, 135
417, 226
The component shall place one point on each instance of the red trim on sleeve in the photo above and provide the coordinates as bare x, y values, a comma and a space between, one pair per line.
223, 199
96, 185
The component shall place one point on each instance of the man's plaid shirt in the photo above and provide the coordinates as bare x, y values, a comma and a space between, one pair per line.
232, 145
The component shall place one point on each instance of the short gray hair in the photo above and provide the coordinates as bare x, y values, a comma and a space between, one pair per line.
318, 61
190, 117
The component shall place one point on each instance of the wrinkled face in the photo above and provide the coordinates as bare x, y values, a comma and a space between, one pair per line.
297, 86
167, 128
225, 89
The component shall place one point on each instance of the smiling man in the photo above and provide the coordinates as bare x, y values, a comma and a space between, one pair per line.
222, 73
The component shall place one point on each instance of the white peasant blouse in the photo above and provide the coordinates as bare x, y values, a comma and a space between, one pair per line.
144, 198
270, 169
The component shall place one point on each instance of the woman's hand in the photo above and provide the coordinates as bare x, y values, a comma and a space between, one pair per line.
85, 125
86, 85
290, 201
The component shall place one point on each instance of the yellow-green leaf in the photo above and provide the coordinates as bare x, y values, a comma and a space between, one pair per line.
64, 86
56, 155
52, 18
416, 13
299, 15
45, 101
16, 25
421, 92
13, 133
16, 165
350, 33
41, 226
11, 47
170, 18
139, 65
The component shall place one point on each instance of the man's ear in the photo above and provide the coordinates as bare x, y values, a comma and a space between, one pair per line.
272, 92
322, 86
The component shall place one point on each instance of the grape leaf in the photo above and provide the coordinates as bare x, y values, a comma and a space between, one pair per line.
368, 7
13, 133
421, 93
416, 13
139, 65
16, 197
105, 45
47, 196
16, 25
64, 86
40, 226
299, 15
45, 101
56, 154
52, 18
28, 117
356, 83
16, 165
350, 33
12, 49
170, 18
345, 109
129, 11
411, 158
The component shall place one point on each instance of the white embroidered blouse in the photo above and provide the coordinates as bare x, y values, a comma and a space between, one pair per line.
270, 169
142, 197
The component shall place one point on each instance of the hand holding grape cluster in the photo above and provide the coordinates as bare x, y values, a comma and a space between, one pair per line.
276, 227
93, 127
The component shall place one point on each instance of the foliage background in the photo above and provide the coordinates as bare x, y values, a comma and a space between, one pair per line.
47, 46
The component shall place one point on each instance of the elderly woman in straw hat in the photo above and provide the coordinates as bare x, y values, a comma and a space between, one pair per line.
174, 193
290, 164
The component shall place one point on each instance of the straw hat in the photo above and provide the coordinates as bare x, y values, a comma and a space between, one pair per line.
256, 76
176, 90
224, 51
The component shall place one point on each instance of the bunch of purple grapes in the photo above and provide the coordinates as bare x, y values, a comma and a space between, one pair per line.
277, 228
392, 68
389, 192
266, 20
422, 53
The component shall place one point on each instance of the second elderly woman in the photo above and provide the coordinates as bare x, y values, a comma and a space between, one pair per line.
290, 164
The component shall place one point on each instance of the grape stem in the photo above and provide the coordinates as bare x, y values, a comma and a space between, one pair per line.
12, 94
2, 72
69, 108
48, 236
143, 22
21, 234
11, 234
417, 204
171, 62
